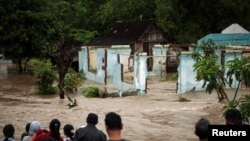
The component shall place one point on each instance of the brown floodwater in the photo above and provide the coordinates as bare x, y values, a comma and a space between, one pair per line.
157, 115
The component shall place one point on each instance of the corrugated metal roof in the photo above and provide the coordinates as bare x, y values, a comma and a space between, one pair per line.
124, 33
227, 39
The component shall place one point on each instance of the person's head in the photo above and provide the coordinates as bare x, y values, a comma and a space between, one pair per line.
113, 121
8, 131
201, 128
92, 118
68, 130
27, 127
34, 127
54, 127
233, 117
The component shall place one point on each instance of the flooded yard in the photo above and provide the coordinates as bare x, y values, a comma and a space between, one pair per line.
157, 115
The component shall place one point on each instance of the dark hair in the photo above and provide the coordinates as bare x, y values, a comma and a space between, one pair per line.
201, 128
92, 118
233, 116
54, 127
27, 127
113, 121
26, 133
68, 131
8, 131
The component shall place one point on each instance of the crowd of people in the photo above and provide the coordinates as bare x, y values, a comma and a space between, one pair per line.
113, 124
35, 132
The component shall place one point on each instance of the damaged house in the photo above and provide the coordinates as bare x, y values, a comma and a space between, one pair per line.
139, 36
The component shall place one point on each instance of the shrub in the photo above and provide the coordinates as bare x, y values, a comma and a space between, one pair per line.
90, 91
72, 80
245, 106
45, 75
48, 91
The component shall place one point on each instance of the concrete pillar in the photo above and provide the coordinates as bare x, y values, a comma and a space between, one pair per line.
186, 74
136, 71
142, 73
83, 59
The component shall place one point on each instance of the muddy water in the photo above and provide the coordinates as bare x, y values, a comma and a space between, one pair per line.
157, 115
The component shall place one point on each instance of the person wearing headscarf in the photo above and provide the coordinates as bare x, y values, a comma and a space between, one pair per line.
33, 128
54, 131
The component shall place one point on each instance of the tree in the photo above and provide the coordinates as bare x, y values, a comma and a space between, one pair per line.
115, 10
239, 70
45, 75
19, 25
70, 36
186, 21
42, 28
212, 73
209, 69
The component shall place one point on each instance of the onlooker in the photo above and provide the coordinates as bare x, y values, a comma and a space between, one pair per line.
69, 132
114, 126
8, 132
201, 129
34, 127
54, 132
26, 133
90, 132
233, 117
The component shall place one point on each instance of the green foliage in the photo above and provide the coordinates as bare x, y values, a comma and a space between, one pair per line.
90, 91
81, 74
187, 21
57, 28
48, 91
244, 106
174, 76
208, 69
239, 69
44, 74
230, 105
72, 80
23, 27
125, 9
205, 49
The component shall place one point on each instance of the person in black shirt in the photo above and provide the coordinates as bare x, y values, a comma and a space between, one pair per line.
90, 132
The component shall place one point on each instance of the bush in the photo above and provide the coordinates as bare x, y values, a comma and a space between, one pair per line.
48, 91
45, 75
90, 91
72, 80
245, 106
